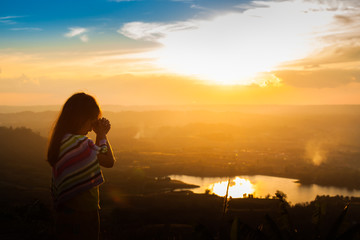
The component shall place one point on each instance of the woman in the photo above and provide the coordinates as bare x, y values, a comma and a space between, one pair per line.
75, 162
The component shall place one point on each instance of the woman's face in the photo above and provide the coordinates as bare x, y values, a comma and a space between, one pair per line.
87, 126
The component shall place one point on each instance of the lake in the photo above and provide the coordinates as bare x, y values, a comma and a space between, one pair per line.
261, 186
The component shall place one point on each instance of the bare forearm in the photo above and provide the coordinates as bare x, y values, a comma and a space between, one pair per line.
100, 137
106, 159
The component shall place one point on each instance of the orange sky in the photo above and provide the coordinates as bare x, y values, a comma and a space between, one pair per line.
270, 52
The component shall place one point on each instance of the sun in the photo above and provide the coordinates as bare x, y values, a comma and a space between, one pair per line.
237, 48
233, 69
207, 66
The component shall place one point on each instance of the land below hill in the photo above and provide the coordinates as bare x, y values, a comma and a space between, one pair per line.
183, 215
315, 145
138, 202
137, 206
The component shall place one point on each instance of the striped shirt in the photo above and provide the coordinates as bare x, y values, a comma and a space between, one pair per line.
77, 169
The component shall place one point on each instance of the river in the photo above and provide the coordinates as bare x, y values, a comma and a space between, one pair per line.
261, 186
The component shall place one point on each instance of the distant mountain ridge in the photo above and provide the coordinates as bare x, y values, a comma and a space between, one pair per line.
195, 107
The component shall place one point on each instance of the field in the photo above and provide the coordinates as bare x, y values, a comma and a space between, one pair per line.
318, 144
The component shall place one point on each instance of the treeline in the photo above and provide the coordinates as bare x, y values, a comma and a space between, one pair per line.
23, 168
21, 146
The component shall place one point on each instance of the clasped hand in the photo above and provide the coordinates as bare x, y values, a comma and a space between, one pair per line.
102, 126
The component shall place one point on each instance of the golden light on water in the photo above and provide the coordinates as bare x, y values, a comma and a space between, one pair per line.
238, 187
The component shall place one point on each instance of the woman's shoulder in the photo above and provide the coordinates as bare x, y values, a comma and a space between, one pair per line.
70, 140
73, 137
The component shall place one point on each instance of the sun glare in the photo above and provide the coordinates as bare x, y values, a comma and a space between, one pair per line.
238, 48
237, 189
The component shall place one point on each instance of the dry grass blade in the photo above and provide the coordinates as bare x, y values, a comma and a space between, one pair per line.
273, 226
335, 227
226, 200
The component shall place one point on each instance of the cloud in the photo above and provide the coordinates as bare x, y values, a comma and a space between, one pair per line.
30, 29
152, 31
185, 1
22, 83
336, 62
84, 38
337, 4
344, 19
122, 0
234, 47
157, 89
78, 32
9, 19
321, 78
75, 32
195, 6
345, 52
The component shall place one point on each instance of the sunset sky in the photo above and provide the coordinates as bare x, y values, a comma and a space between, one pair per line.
169, 52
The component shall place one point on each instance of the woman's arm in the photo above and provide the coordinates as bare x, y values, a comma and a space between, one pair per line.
105, 159
101, 128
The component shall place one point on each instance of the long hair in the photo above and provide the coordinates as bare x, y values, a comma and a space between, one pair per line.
78, 109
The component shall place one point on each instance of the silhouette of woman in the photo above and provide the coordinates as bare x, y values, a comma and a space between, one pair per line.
75, 160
